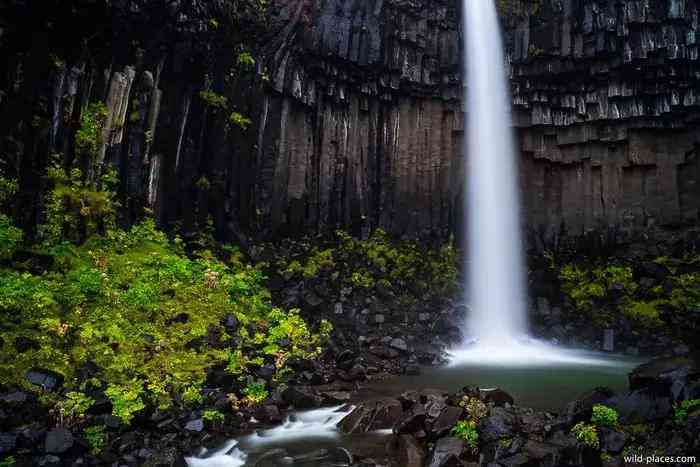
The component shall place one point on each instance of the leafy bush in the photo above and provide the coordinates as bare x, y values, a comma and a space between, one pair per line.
146, 319
213, 100
213, 416
466, 431
74, 407
88, 138
239, 120
8, 461
586, 434
96, 438
604, 416
685, 409
77, 208
255, 394
406, 269
10, 238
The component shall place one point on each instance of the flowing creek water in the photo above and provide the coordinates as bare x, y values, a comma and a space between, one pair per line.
311, 438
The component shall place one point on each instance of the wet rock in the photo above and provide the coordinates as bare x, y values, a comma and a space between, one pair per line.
412, 370
378, 414
642, 406
345, 360
8, 442
497, 396
265, 372
497, 425
383, 351
446, 453
230, 322
12, 398
378, 319
408, 453
546, 454
581, 408
49, 460
442, 425
611, 440
195, 425
58, 441
312, 299
399, 344
336, 397
269, 413
423, 317
46, 379
412, 421
300, 398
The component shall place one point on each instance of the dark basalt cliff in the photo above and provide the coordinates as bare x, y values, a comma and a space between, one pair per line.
356, 106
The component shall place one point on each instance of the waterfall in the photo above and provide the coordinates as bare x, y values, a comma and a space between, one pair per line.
496, 330
495, 269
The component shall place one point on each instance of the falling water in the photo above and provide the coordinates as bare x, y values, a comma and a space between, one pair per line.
495, 269
497, 327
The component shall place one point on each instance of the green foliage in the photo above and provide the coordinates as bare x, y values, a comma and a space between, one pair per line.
239, 120
74, 407
77, 208
403, 268
88, 138
126, 399
96, 438
10, 238
8, 461
685, 409
586, 434
147, 318
245, 60
586, 286
213, 100
643, 312
8, 188
213, 416
604, 416
254, 394
466, 431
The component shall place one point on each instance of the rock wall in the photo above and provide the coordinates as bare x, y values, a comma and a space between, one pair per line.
606, 102
356, 110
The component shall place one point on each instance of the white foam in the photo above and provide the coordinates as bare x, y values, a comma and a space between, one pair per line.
311, 424
524, 352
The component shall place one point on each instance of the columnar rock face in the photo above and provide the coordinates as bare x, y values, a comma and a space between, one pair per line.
360, 128
606, 102
356, 112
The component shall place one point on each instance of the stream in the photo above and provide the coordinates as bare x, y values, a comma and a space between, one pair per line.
311, 438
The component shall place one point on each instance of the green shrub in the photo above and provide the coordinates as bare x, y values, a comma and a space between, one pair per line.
466, 431
74, 407
88, 138
586, 434
213, 416
8, 461
604, 416
255, 394
96, 438
239, 120
685, 409
213, 100
10, 238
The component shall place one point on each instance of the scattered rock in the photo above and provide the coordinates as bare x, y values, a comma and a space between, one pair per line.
442, 425
496, 395
399, 344
46, 379
611, 440
412, 421
195, 425
408, 453
446, 453
58, 441
8, 442
300, 398
378, 318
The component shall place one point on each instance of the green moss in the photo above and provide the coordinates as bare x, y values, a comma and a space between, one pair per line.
686, 409
239, 120
604, 416
586, 434
213, 416
96, 438
147, 317
88, 138
213, 100
466, 431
